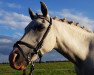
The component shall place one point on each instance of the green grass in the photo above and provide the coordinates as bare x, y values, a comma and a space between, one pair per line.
52, 68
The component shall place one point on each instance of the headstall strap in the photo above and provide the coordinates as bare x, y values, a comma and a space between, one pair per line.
40, 56
39, 45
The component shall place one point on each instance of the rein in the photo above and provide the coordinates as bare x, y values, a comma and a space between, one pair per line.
36, 50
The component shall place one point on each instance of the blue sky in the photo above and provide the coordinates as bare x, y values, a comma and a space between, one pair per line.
14, 16
13, 8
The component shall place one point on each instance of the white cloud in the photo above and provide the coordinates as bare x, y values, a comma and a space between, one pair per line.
13, 5
5, 40
20, 21
13, 19
18, 35
77, 17
10, 5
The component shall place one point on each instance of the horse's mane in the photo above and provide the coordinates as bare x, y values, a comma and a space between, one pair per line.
72, 23
67, 21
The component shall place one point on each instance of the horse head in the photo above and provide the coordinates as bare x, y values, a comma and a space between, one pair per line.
39, 37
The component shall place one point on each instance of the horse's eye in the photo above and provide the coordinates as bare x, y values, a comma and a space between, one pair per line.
40, 27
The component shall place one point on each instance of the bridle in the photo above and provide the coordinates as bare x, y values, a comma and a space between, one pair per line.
36, 50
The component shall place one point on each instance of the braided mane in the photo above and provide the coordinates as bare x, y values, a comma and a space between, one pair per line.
67, 21
72, 23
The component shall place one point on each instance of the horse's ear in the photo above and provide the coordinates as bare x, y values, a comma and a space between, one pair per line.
31, 13
44, 9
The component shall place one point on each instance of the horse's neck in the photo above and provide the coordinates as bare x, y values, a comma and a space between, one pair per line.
72, 41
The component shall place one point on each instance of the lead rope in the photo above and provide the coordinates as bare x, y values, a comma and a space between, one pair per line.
31, 70
32, 65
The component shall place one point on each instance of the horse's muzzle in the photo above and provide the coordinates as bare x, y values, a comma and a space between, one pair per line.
13, 58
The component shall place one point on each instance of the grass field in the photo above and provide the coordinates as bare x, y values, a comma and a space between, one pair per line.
52, 68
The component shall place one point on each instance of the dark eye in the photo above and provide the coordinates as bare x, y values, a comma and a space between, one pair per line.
40, 27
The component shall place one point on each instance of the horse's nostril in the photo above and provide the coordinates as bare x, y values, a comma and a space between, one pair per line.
16, 57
